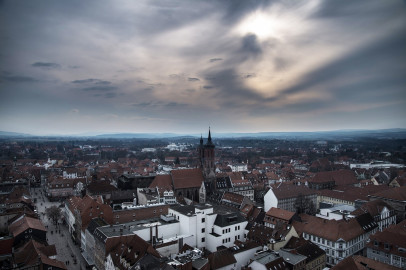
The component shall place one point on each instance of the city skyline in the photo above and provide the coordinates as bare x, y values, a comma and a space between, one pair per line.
181, 66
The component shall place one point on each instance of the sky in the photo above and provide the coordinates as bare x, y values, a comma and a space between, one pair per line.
81, 67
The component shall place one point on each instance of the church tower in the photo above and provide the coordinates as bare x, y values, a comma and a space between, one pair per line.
206, 157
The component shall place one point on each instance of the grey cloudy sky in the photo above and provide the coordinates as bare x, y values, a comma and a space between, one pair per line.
179, 66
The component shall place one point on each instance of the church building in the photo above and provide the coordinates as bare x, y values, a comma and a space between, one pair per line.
206, 158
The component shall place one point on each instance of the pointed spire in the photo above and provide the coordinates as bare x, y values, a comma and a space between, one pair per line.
209, 139
201, 139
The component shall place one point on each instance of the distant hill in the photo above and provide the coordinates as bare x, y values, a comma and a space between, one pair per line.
396, 133
139, 135
13, 134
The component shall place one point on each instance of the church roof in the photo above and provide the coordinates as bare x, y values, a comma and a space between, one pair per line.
188, 178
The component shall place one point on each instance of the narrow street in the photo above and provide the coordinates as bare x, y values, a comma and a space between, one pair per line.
58, 235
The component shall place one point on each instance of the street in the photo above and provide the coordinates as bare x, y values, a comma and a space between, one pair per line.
58, 234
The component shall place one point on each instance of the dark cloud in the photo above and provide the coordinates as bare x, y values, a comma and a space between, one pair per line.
215, 60
8, 77
92, 81
46, 65
250, 45
235, 10
208, 87
193, 79
383, 61
144, 104
110, 95
175, 104
248, 75
232, 88
100, 88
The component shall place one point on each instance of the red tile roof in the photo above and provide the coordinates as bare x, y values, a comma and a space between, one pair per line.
397, 194
280, 213
373, 207
341, 177
188, 178
328, 229
32, 251
21, 225
362, 263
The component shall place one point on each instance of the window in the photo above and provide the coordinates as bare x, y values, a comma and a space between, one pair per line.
203, 219
203, 239
203, 230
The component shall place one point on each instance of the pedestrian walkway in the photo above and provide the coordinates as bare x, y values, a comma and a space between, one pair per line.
58, 234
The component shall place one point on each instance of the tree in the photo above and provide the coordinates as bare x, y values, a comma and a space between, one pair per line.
304, 205
54, 213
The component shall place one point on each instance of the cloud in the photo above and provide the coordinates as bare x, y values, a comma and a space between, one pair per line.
46, 65
92, 81
175, 104
212, 60
99, 88
193, 79
96, 85
208, 87
110, 95
248, 75
144, 104
8, 77
250, 45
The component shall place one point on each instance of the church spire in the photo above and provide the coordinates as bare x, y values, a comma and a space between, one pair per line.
209, 142
201, 139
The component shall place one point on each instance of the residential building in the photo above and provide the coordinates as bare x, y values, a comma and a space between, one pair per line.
25, 228
267, 260
287, 197
338, 239
362, 263
234, 200
395, 197
36, 255
210, 229
383, 213
277, 215
241, 185
274, 238
329, 179
80, 211
315, 256
389, 246
121, 251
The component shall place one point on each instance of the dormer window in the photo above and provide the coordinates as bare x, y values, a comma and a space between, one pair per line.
376, 243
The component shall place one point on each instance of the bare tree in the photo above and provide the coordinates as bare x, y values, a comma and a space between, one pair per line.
304, 205
54, 213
